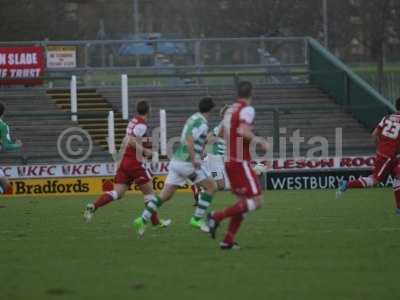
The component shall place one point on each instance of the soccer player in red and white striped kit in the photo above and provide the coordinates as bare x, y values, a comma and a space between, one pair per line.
237, 130
131, 168
387, 136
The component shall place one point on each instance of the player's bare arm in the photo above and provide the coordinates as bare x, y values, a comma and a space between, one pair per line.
245, 130
375, 134
221, 132
120, 155
210, 138
136, 143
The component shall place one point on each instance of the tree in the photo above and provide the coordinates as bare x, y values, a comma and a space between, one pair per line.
341, 30
376, 20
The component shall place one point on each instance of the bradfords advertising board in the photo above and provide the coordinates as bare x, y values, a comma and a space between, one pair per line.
75, 186
59, 57
94, 178
21, 65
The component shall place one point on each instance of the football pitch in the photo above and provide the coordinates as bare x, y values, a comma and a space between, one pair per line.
300, 245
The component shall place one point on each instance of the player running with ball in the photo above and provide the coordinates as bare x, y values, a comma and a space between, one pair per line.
387, 136
214, 161
238, 134
186, 166
131, 168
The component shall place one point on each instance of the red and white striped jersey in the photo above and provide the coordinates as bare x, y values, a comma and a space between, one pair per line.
137, 127
389, 136
238, 149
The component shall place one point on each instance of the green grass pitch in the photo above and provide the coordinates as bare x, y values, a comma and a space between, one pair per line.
301, 245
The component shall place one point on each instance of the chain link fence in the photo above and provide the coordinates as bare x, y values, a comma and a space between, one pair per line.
390, 84
183, 53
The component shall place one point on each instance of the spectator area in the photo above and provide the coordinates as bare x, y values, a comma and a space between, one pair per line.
37, 117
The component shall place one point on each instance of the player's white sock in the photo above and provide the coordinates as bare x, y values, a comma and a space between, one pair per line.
396, 184
1, 190
113, 194
367, 181
152, 203
251, 205
202, 206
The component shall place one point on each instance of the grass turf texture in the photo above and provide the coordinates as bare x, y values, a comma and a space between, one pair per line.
301, 245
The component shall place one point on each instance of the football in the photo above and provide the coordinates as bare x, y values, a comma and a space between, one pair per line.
260, 168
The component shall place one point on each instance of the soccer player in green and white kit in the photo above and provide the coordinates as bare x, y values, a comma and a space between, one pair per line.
186, 165
6, 144
214, 162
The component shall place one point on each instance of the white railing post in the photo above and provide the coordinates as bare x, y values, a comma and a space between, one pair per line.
124, 96
163, 132
74, 99
111, 133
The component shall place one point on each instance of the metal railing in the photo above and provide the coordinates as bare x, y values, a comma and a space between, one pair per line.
348, 89
390, 83
200, 54
273, 119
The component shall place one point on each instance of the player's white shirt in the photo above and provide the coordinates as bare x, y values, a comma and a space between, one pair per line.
214, 162
248, 114
139, 130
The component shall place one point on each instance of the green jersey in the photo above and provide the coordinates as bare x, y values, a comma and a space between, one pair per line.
197, 128
6, 143
217, 145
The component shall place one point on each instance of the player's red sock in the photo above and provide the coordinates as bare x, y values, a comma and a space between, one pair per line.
195, 192
233, 228
103, 200
362, 182
239, 208
194, 189
356, 184
154, 219
397, 198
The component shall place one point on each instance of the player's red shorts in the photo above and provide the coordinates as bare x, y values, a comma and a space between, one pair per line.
131, 171
384, 166
244, 182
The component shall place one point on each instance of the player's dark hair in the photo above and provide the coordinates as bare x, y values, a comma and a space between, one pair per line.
398, 104
142, 107
2, 109
206, 105
245, 89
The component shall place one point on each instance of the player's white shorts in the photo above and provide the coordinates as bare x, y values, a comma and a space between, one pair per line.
2, 173
215, 166
180, 172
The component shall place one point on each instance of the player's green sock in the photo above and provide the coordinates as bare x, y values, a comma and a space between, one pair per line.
151, 207
202, 206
